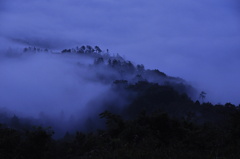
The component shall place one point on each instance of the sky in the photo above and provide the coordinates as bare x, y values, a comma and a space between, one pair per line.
198, 40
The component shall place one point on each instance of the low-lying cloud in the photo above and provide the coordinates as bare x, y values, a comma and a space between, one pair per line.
196, 40
53, 88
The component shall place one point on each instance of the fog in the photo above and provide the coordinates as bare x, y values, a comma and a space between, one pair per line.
195, 40
54, 89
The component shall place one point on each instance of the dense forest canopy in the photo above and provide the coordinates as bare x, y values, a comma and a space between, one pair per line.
140, 113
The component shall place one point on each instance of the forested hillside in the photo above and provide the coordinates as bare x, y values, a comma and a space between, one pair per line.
146, 114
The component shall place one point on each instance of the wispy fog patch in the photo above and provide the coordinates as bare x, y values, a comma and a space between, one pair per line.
55, 88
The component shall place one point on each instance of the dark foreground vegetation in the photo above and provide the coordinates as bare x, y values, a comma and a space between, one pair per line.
160, 121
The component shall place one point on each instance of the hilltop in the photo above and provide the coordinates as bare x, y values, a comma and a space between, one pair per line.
143, 113
118, 68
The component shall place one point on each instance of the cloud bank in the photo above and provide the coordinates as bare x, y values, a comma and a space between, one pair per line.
196, 40
53, 89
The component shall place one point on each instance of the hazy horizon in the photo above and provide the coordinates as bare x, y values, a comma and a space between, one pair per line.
198, 41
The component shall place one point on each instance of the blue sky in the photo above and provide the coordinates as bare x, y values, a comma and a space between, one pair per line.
197, 40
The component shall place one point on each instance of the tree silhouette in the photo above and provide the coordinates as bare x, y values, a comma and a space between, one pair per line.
202, 95
98, 49
140, 68
89, 49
